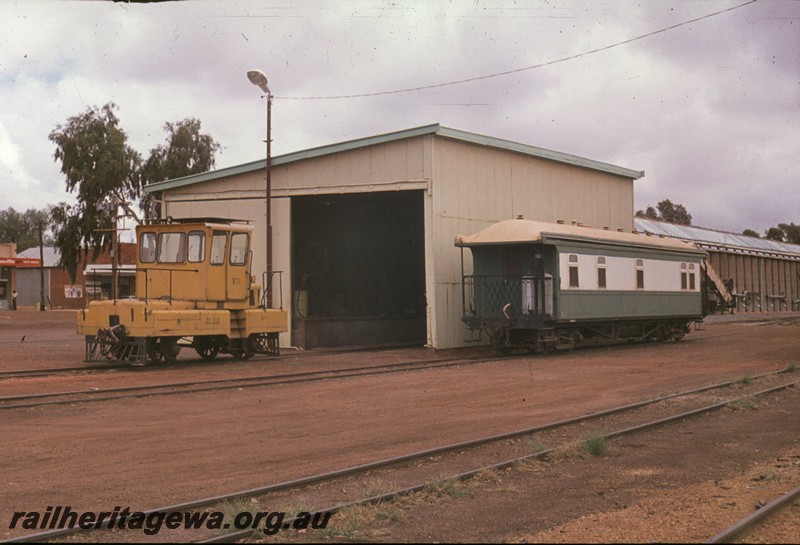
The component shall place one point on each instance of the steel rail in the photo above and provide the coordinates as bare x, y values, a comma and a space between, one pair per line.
30, 373
27, 373
335, 474
784, 500
231, 383
745, 525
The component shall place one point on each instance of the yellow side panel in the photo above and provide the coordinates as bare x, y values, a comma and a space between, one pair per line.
154, 319
266, 321
189, 322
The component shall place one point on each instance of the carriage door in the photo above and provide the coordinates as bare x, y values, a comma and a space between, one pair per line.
217, 279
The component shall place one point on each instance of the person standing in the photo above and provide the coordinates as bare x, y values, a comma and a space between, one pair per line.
14, 300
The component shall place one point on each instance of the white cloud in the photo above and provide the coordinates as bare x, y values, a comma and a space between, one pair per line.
708, 110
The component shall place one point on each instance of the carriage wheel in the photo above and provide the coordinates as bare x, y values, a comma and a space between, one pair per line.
206, 347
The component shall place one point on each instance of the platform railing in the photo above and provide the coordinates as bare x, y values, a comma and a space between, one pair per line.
505, 296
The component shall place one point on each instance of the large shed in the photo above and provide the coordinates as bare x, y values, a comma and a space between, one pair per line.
763, 275
363, 230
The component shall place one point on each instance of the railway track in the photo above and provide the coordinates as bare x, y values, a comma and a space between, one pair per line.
430, 456
747, 524
199, 362
108, 394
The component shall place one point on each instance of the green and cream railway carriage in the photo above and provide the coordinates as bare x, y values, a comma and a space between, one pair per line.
194, 288
542, 286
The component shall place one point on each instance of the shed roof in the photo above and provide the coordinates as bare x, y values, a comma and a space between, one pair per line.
519, 231
434, 129
51, 255
719, 240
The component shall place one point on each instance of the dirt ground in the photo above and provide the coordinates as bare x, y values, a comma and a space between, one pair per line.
151, 452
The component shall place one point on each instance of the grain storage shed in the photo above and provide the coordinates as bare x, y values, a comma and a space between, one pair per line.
363, 230
763, 275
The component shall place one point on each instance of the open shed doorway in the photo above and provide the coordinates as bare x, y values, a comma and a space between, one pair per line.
358, 269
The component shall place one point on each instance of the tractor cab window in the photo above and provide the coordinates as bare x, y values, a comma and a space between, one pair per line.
197, 247
239, 243
147, 247
171, 247
219, 241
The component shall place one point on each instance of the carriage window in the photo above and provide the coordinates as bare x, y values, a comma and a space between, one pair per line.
684, 282
218, 242
197, 246
639, 264
601, 272
239, 248
573, 271
147, 247
171, 247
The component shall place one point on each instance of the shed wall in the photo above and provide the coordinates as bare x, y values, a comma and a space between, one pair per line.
466, 188
475, 186
760, 283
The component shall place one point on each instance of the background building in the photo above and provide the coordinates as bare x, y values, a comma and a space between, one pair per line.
9, 263
764, 275
363, 230
92, 281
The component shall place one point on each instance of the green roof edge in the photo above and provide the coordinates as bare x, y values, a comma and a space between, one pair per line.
434, 129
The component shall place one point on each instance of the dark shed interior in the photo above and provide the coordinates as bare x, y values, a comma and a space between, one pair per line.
358, 263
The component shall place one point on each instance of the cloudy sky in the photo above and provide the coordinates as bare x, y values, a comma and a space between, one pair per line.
709, 109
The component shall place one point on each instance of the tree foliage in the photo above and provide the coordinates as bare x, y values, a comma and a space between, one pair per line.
667, 211
103, 170
751, 233
187, 151
784, 232
23, 227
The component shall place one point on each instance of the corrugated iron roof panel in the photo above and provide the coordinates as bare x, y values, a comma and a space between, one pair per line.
710, 237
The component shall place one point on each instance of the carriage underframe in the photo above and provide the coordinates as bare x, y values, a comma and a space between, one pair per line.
115, 345
540, 334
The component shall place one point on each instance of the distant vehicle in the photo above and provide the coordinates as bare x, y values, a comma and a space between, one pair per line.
542, 287
194, 288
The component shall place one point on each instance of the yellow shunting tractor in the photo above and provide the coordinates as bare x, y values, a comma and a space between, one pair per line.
194, 288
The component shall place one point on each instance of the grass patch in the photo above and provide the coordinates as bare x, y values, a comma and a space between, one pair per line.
568, 452
748, 404
359, 522
231, 508
448, 487
596, 445
377, 488
791, 368
747, 379
535, 446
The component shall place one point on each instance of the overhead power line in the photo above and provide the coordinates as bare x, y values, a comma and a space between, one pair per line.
523, 69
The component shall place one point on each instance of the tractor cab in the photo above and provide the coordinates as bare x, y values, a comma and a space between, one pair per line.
206, 261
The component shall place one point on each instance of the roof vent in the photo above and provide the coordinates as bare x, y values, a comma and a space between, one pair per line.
519, 217
560, 222
621, 230
574, 222
605, 227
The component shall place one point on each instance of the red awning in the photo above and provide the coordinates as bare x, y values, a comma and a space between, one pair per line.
20, 262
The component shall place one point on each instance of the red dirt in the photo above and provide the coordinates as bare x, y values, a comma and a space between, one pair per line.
151, 452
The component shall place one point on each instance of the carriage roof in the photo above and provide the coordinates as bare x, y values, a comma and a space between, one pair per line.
518, 231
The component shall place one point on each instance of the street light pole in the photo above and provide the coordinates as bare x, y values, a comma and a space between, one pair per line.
258, 79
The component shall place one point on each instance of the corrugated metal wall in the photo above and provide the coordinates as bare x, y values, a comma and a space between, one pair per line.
466, 188
760, 283
476, 186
